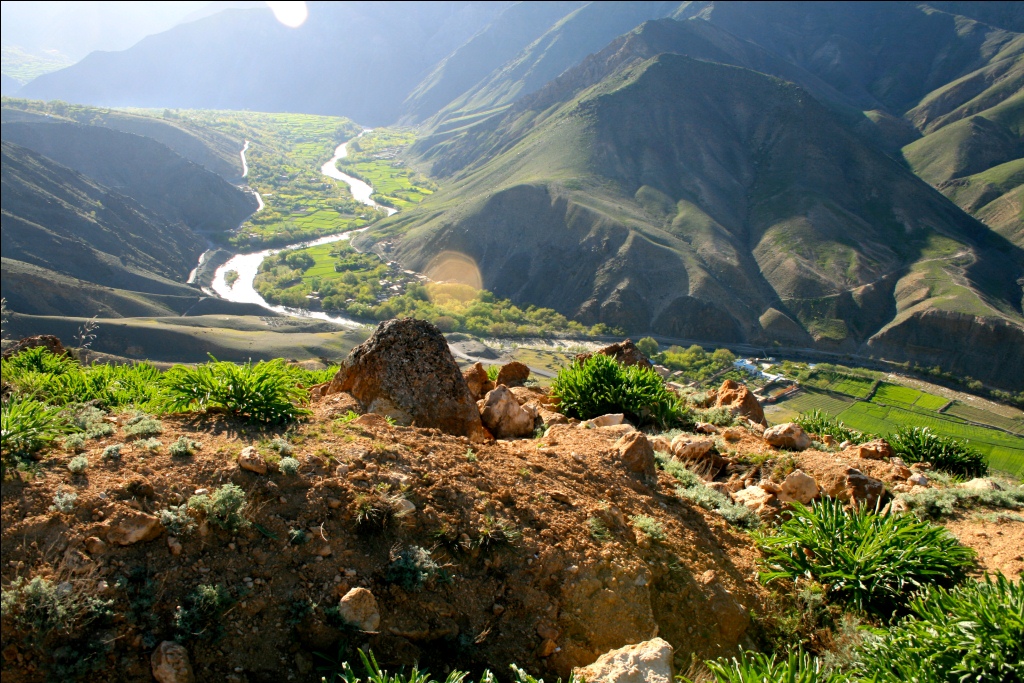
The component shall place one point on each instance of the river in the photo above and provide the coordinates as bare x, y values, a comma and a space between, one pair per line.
247, 265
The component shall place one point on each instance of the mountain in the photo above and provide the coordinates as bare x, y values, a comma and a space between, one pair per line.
703, 201
167, 184
244, 59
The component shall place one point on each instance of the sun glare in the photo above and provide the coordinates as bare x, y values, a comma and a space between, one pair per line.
291, 14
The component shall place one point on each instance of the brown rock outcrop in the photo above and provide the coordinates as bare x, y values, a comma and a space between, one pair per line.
513, 374
738, 399
405, 370
637, 454
787, 435
646, 662
879, 449
477, 381
853, 486
503, 416
47, 341
625, 352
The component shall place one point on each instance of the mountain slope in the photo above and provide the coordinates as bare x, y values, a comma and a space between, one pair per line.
141, 168
58, 219
704, 201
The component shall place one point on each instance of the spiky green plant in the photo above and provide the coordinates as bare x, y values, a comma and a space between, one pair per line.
600, 385
869, 560
265, 392
756, 667
27, 426
920, 444
822, 423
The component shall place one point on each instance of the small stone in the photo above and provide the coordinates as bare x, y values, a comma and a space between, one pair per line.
333, 503
174, 545
733, 433
686, 447
879, 449
503, 416
901, 472
788, 435
637, 454
513, 374
798, 487
609, 420
131, 526
647, 662
705, 428
917, 479
251, 460
95, 546
497, 609
358, 607
977, 484
171, 664
403, 507
547, 648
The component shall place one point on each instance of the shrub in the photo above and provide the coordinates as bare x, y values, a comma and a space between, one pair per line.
720, 417
289, 466
74, 442
411, 568
650, 526
184, 447
599, 531
112, 452
869, 560
600, 385
492, 372
78, 464
496, 532
821, 423
28, 426
937, 503
199, 617
143, 425
974, 632
755, 667
64, 501
59, 622
920, 444
152, 445
177, 520
265, 392
224, 507
375, 511
692, 488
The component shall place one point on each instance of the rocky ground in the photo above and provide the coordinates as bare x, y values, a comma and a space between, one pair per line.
544, 551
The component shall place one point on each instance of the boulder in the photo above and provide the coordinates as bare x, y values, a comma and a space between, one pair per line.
661, 444
788, 435
646, 662
609, 420
406, 367
738, 399
981, 484
879, 449
686, 447
170, 663
637, 454
761, 502
798, 487
128, 527
477, 381
358, 608
503, 416
549, 417
733, 433
853, 486
251, 460
513, 374
47, 341
625, 352
705, 428
917, 479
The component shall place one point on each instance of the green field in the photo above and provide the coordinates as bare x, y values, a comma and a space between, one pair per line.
972, 414
806, 401
374, 159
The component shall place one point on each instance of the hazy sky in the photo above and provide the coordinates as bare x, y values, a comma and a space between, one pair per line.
77, 28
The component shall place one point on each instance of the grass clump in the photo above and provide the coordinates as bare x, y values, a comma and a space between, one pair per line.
199, 617
599, 531
651, 527
28, 426
920, 444
266, 392
375, 511
184, 447
600, 385
78, 464
495, 532
822, 423
224, 507
411, 568
974, 632
756, 667
867, 560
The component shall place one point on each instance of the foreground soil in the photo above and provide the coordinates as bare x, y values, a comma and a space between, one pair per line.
524, 577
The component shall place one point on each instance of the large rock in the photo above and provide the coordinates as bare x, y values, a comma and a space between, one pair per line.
738, 400
879, 449
251, 460
686, 447
763, 503
170, 663
798, 487
358, 608
477, 381
625, 352
788, 435
647, 662
513, 374
503, 416
406, 370
637, 454
853, 486
128, 527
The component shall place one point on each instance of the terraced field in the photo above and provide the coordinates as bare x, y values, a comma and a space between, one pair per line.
374, 159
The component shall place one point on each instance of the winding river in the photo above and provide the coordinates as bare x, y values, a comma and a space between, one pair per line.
247, 265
